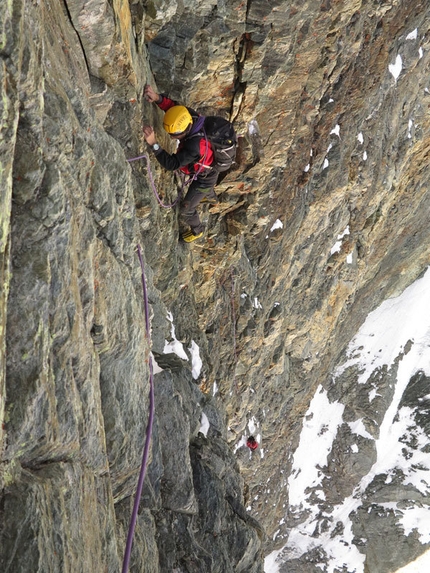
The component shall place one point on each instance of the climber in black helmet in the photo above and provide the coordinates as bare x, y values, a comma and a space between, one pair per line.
193, 157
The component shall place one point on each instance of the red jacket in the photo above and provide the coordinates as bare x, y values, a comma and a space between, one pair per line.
194, 153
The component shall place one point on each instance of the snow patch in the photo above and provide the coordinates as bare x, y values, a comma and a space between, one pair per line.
337, 246
372, 394
396, 68
270, 565
416, 518
204, 425
336, 131
155, 368
358, 429
253, 128
380, 342
240, 444
308, 166
174, 347
412, 35
277, 225
320, 427
252, 426
420, 564
196, 362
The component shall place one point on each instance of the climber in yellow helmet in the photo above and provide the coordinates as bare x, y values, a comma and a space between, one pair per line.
194, 157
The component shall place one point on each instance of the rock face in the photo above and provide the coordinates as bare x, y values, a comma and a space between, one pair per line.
324, 216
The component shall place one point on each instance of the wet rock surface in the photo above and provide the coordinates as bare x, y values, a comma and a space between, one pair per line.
323, 217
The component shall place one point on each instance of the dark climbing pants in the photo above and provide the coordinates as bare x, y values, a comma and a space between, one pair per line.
197, 191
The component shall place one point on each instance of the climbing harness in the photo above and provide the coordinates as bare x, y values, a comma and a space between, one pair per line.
144, 463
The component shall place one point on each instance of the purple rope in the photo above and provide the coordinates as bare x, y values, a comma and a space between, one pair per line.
144, 464
151, 179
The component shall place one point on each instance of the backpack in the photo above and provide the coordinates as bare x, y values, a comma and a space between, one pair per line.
222, 136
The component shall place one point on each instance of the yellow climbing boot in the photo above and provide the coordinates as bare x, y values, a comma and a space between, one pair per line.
189, 236
210, 200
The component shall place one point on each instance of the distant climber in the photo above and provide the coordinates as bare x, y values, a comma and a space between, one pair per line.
195, 156
252, 443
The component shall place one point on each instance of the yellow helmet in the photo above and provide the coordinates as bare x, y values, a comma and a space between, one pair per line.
177, 119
